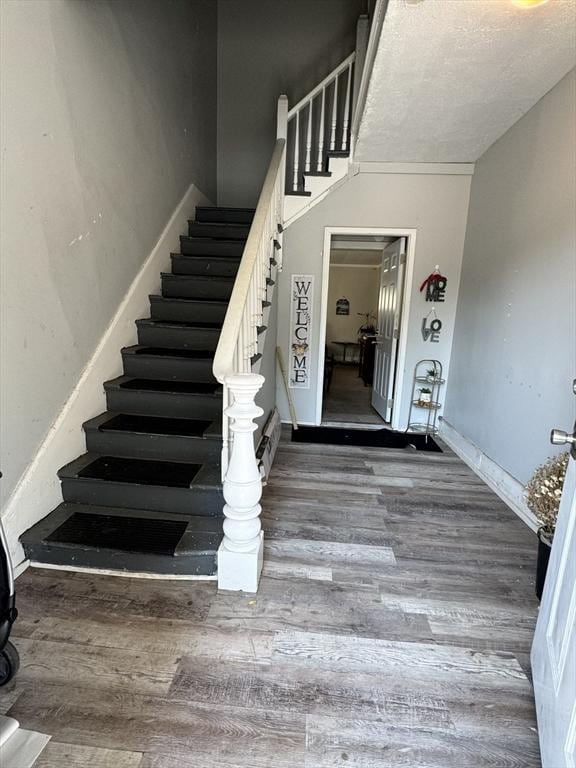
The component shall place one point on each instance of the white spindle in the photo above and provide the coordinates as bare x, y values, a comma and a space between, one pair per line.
320, 160
296, 153
240, 554
334, 116
346, 109
308, 139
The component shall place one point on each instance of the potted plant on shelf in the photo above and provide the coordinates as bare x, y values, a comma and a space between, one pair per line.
368, 327
425, 397
543, 494
431, 374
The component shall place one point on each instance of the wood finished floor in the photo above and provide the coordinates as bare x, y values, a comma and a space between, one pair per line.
348, 400
392, 629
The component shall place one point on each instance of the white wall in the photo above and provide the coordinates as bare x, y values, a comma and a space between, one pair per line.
266, 48
361, 286
514, 353
108, 115
434, 204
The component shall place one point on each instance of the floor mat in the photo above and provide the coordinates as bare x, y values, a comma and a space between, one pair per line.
379, 438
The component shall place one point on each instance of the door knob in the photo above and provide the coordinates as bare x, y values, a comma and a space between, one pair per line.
560, 437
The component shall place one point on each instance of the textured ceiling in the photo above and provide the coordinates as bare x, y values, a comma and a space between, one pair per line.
451, 76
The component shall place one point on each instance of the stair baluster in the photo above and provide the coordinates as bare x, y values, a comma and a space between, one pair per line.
346, 120
320, 159
295, 179
308, 137
334, 114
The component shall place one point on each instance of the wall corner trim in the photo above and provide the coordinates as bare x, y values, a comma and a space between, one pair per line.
38, 490
438, 169
498, 479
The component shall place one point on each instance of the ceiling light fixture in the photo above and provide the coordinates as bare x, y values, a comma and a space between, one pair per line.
526, 4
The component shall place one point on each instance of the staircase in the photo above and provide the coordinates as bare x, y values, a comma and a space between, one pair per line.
147, 495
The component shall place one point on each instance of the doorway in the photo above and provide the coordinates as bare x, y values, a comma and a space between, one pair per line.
365, 281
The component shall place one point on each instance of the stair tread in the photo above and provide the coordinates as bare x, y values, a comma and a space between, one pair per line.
193, 535
193, 354
196, 278
158, 385
182, 301
152, 425
148, 321
141, 472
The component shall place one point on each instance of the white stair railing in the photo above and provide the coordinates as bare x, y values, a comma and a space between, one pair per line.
311, 129
240, 554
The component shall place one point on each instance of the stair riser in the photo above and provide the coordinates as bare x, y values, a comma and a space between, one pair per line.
222, 231
198, 311
224, 215
219, 290
167, 404
204, 266
128, 562
211, 247
180, 501
168, 369
161, 447
178, 338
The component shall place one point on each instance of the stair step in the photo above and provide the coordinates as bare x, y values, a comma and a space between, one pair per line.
187, 310
338, 153
164, 486
172, 335
168, 364
317, 173
224, 215
196, 287
218, 231
207, 266
167, 399
125, 540
201, 246
298, 193
153, 437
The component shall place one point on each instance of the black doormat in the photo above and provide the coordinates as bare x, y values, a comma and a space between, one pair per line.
378, 438
129, 534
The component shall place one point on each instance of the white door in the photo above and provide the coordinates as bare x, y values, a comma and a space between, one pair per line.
389, 308
554, 646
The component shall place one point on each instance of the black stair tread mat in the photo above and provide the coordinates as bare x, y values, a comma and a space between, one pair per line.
130, 534
196, 278
379, 438
187, 387
179, 324
183, 300
206, 257
196, 354
155, 425
141, 471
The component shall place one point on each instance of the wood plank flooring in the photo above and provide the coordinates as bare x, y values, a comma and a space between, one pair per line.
348, 400
392, 629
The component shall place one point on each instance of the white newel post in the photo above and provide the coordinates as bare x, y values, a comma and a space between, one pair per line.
241, 551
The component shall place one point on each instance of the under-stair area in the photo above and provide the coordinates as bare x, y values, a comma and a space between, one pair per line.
147, 494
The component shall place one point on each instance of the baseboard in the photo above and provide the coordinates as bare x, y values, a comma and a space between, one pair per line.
498, 479
38, 490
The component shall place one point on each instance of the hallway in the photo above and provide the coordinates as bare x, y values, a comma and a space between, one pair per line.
392, 628
348, 400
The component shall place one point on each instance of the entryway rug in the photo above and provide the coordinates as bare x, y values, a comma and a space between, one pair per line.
379, 438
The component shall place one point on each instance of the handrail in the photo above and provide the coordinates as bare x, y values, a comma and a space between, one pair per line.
327, 80
225, 357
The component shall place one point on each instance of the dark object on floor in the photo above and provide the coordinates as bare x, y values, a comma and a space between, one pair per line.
153, 536
380, 438
9, 659
328, 370
544, 549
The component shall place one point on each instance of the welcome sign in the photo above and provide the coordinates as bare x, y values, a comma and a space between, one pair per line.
302, 292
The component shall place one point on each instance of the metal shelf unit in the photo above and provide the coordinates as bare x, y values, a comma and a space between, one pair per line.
423, 414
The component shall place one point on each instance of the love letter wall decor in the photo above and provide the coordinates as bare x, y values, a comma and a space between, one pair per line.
302, 297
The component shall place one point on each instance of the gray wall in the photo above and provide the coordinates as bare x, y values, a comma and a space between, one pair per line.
514, 353
265, 48
109, 114
433, 204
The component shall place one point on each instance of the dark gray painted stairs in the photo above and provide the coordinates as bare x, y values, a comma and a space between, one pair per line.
147, 495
